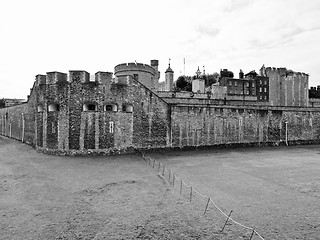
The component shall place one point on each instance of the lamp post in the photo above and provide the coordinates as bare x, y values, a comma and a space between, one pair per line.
286, 123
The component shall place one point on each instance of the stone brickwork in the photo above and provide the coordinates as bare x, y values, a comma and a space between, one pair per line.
215, 125
287, 88
144, 73
75, 114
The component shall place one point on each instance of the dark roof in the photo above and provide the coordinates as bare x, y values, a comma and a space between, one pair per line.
169, 69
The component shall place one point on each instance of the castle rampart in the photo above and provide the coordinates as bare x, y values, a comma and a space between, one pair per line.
56, 77
287, 87
73, 115
146, 74
124, 67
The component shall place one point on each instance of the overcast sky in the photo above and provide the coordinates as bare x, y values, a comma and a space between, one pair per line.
62, 35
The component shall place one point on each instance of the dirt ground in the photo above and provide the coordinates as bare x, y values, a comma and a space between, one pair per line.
119, 197
275, 190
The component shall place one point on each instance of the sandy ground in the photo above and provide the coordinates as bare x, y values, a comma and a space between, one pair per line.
276, 190
119, 197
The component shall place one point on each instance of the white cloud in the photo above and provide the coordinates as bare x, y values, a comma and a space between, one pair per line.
40, 36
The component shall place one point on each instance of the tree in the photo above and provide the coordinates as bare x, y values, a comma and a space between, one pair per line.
183, 83
211, 79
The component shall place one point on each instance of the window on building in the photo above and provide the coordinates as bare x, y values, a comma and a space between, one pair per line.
127, 108
247, 84
260, 82
265, 89
89, 107
111, 108
53, 107
230, 83
260, 89
111, 127
260, 97
40, 108
253, 84
265, 82
235, 83
53, 128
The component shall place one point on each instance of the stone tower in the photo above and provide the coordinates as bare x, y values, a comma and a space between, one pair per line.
169, 79
198, 84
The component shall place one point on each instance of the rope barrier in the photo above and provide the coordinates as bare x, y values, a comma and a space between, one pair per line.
202, 195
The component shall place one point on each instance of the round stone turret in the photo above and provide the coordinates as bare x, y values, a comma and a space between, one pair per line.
144, 73
169, 79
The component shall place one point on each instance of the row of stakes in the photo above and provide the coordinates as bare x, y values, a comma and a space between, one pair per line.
190, 196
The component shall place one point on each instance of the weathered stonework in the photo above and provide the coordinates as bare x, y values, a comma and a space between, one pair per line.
71, 115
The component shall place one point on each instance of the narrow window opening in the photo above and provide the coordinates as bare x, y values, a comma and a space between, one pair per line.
111, 108
111, 127
127, 108
40, 108
89, 107
53, 127
53, 107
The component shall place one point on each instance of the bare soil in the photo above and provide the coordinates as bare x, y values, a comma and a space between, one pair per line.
276, 190
118, 197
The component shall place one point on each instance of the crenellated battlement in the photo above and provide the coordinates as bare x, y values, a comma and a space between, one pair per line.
103, 77
79, 76
284, 72
134, 67
73, 76
56, 77
82, 113
40, 79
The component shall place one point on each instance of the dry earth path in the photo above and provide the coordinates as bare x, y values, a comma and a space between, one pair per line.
118, 197
276, 190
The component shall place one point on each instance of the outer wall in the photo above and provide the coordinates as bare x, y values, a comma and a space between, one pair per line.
152, 124
214, 125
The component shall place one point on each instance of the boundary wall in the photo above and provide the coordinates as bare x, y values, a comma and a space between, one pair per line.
71, 115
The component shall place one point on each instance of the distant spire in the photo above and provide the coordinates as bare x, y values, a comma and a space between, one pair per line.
198, 72
169, 68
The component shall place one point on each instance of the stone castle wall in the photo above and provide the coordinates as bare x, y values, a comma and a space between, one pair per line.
147, 75
287, 88
215, 125
19, 121
69, 114
71, 130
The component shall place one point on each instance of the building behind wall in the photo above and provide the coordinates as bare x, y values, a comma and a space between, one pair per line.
249, 84
286, 87
79, 113
144, 73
